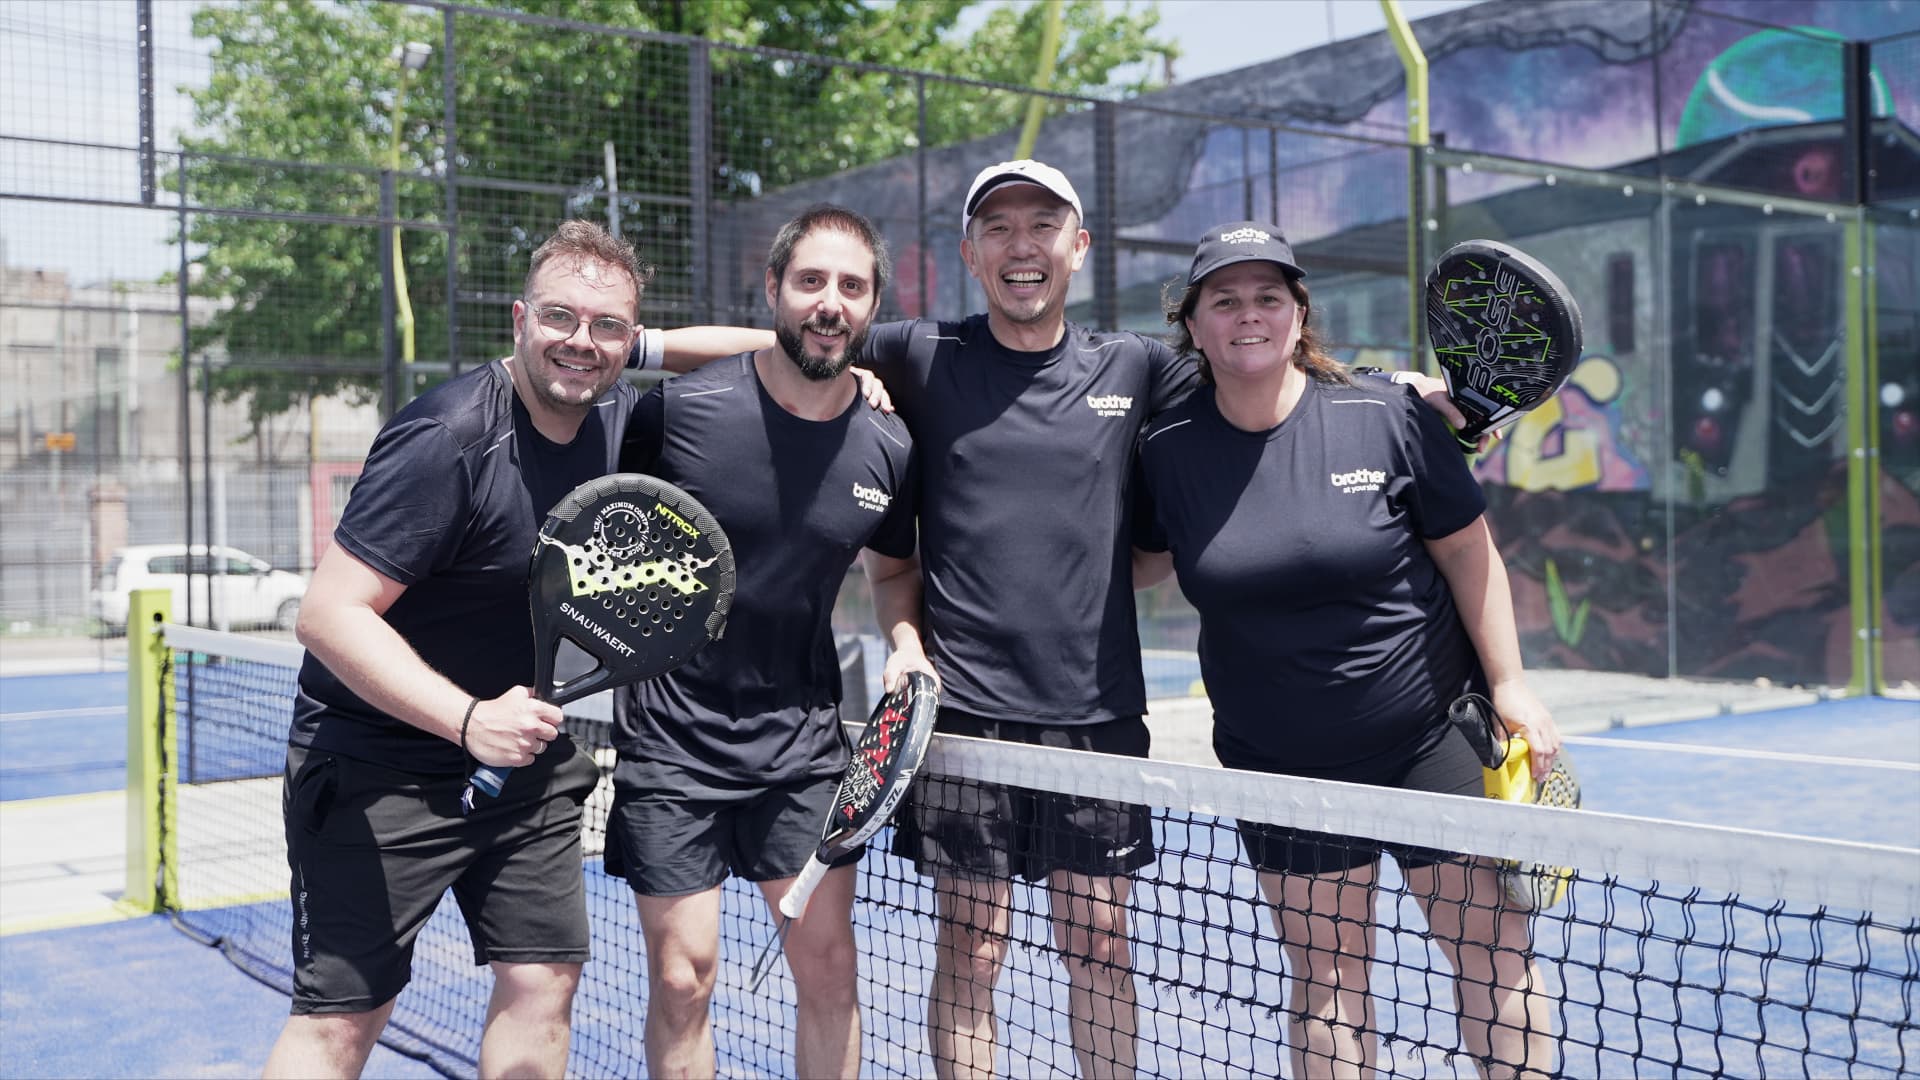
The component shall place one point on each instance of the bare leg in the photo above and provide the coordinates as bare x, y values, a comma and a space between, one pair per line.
683, 959
326, 1044
1090, 929
825, 966
529, 1020
1326, 930
1504, 1019
970, 949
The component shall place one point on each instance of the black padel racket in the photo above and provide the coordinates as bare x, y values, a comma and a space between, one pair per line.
1507, 772
631, 576
1505, 329
878, 776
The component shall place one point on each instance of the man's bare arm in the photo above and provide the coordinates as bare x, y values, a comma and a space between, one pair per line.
342, 624
896, 604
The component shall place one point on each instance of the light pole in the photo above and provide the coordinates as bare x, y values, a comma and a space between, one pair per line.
412, 58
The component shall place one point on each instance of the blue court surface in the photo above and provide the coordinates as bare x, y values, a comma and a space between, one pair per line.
140, 998
62, 734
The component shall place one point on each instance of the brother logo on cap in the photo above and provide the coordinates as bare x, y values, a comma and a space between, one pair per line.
1241, 241
1246, 236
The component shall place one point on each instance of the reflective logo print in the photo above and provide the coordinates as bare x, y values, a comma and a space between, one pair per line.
871, 498
1109, 404
1358, 480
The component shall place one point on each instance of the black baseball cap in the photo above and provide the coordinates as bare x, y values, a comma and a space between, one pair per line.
1242, 241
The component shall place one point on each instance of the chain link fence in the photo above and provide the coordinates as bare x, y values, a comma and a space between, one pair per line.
322, 231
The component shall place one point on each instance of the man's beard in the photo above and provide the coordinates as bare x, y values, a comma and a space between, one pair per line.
819, 368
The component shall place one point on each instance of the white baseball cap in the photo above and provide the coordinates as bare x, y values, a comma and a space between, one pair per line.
1023, 171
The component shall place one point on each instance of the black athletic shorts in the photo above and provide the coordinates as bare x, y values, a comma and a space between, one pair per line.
1442, 761
968, 829
666, 841
372, 850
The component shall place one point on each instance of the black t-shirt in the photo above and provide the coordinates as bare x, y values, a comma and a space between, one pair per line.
797, 499
1328, 637
449, 504
1025, 461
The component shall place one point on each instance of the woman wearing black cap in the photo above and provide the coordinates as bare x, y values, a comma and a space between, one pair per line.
1334, 542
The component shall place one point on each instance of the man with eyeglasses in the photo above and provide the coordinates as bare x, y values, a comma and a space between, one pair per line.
419, 658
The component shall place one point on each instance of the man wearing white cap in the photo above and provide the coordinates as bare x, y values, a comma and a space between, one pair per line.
1029, 426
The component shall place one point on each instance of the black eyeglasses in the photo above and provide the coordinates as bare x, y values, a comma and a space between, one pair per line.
606, 331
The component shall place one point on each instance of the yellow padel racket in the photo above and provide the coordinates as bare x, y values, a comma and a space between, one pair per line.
1508, 774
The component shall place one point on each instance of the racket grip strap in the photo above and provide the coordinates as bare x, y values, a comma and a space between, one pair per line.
794, 904
489, 779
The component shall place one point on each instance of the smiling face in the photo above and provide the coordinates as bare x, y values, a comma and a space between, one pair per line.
1023, 246
824, 302
1246, 321
568, 374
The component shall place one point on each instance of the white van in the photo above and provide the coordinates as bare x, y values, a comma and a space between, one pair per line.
246, 591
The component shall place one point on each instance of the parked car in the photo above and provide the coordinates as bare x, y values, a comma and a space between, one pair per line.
247, 592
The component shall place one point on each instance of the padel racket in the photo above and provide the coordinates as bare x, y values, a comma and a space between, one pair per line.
631, 576
878, 775
1505, 329
1508, 775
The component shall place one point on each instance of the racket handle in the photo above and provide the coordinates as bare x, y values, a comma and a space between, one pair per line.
794, 904
1513, 780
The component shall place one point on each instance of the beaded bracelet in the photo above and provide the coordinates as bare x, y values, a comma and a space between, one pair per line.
465, 720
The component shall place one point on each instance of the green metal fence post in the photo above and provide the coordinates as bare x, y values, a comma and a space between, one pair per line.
1414, 60
149, 718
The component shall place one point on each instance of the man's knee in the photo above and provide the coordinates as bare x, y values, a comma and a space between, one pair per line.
830, 985
682, 985
979, 949
825, 965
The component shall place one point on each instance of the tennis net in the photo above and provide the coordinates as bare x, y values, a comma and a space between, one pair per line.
1677, 949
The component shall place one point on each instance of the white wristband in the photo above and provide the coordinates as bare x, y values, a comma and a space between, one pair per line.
649, 351
1404, 376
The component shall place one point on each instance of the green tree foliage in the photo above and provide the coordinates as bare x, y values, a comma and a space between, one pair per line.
300, 109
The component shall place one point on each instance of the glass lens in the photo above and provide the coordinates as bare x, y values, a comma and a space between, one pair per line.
610, 332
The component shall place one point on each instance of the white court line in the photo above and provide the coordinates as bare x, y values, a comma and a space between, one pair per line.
72, 714
1761, 755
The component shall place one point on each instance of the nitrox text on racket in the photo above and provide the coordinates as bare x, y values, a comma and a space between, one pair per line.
596, 629
662, 509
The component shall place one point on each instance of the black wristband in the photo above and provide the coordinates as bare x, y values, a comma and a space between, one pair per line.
467, 719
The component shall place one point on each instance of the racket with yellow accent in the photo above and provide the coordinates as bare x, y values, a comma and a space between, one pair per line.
630, 577
1506, 332
1506, 768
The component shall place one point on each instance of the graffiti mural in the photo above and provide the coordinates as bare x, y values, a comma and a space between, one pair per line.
1572, 442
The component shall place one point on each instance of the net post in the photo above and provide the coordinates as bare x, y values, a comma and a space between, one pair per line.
149, 693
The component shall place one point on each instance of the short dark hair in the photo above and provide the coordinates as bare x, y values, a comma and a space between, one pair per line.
838, 219
578, 240
1309, 356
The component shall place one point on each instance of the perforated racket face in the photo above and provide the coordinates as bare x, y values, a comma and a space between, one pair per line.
1532, 886
631, 577
884, 761
1505, 329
